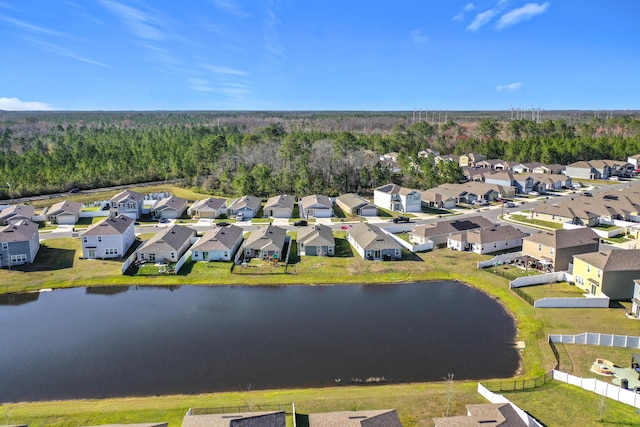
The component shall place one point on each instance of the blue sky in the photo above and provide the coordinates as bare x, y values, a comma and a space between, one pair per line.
319, 54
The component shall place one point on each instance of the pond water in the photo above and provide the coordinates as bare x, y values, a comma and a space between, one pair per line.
108, 342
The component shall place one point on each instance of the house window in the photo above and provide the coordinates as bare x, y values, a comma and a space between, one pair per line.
132, 205
5, 246
99, 239
111, 251
599, 273
152, 257
551, 251
85, 239
540, 247
18, 258
588, 268
172, 255
226, 254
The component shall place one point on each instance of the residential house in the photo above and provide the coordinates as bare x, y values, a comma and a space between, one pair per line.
127, 203
521, 183
548, 182
316, 206
19, 243
236, 419
439, 198
217, 244
396, 198
167, 245
487, 240
471, 159
607, 273
265, 242
316, 240
372, 243
213, 207
428, 152
372, 418
447, 158
635, 300
572, 213
171, 207
555, 250
391, 160
352, 204
64, 213
280, 206
634, 161
484, 414
245, 207
438, 232
16, 213
592, 169
475, 174
110, 238
620, 168
553, 169
525, 167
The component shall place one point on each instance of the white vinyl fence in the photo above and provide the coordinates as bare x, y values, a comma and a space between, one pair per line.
628, 397
499, 259
594, 338
538, 279
498, 398
410, 246
128, 262
572, 303
182, 260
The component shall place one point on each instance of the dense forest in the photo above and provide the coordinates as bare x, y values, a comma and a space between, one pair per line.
295, 153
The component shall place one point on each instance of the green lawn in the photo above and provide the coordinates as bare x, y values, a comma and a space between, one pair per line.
59, 265
553, 290
537, 222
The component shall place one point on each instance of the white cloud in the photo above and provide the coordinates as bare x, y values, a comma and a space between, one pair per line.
520, 14
509, 88
29, 27
64, 51
271, 37
140, 23
14, 104
482, 19
221, 69
231, 7
467, 8
418, 36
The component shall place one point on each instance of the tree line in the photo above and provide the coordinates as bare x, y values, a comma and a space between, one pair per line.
39, 156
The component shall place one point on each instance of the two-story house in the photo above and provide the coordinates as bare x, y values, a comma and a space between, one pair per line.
609, 273
110, 238
394, 197
127, 203
19, 243
555, 250
16, 213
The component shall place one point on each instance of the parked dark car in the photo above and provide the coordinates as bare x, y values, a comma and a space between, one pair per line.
74, 190
400, 219
163, 221
586, 193
301, 223
222, 224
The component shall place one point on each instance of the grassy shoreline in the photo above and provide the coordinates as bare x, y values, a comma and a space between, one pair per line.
417, 403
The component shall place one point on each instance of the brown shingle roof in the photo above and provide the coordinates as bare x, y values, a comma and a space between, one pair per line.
565, 238
225, 420
284, 201
65, 206
613, 260
384, 417
451, 226
489, 235
18, 232
267, 238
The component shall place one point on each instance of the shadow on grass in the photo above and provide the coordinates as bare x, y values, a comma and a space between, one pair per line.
343, 248
186, 268
337, 210
618, 304
50, 259
407, 255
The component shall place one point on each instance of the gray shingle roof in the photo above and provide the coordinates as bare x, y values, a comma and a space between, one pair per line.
316, 235
110, 226
172, 202
369, 236
483, 236
127, 194
219, 239
394, 189
26, 211
613, 260
486, 414
316, 200
284, 201
213, 203
19, 231
267, 238
65, 206
250, 202
170, 239
451, 226
224, 420
565, 238
384, 417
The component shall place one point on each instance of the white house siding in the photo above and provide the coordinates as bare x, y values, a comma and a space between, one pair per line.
382, 199
66, 219
412, 202
104, 245
316, 212
278, 212
488, 248
369, 211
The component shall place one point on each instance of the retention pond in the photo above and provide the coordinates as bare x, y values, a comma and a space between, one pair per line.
110, 342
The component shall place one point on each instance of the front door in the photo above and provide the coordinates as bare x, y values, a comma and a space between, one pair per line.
377, 254
152, 257
205, 255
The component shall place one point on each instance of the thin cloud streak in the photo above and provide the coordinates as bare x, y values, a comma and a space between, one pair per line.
225, 70
140, 24
30, 27
467, 8
418, 36
520, 14
14, 104
482, 19
509, 88
231, 7
61, 50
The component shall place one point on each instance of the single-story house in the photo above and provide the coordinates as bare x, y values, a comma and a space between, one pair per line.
16, 213
609, 273
352, 204
599, 169
371, 243
217, 244
555, 250
212, 207
127, 203
372, 418
265, 242
236, 419
170, 207
470, 159
316, 240
280, 206
439, 198
552, 169
484, 414
438, 232
573, 213
316, 206
487, 240
19, 243
247, 206
110, 238
525, 167
397, 198
167, 245
64, 213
